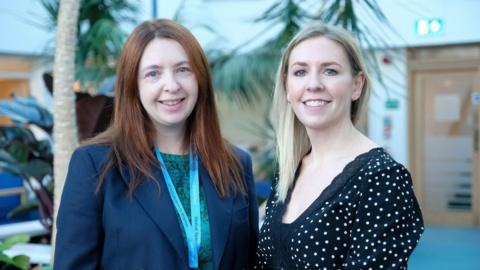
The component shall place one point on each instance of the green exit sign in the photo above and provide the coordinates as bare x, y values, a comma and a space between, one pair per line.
392, 104
429, 27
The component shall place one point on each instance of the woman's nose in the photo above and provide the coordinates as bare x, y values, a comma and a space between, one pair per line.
170, 82
314, 82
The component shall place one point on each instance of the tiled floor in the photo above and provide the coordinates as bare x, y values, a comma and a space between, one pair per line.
447, 248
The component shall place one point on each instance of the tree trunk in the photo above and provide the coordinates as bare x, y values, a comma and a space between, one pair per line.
65, 123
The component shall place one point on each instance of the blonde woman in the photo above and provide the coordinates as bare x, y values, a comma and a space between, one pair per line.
340, 201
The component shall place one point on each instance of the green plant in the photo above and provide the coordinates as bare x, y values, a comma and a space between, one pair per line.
99, 36
17, 262
23, 155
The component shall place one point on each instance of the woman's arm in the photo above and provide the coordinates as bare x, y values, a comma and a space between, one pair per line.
387, 220
79, 221
252, 199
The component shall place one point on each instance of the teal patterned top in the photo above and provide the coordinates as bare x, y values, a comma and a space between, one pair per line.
177, 166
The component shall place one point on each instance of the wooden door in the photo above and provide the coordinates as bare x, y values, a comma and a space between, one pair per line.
445, 100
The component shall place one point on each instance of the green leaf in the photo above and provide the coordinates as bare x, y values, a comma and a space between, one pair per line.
12, 133
99, 35
19, 151
37, 168
5, 259
11, 241
21, 261
6, 157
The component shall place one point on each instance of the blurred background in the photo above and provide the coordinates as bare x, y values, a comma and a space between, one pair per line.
424, 109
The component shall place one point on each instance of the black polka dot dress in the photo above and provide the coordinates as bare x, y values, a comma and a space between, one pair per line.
367, 218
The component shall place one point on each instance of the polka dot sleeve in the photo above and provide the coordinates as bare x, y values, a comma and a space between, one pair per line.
387, 221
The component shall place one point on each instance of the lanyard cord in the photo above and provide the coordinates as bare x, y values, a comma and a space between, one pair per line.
193, 229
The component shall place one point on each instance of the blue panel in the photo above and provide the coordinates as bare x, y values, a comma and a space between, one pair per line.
7, 203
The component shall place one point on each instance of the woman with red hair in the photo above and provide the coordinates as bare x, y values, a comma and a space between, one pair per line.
161, 188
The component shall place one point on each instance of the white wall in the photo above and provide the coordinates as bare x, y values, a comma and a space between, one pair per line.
460, 17
21, 35
233, 20
19, 28
386, 126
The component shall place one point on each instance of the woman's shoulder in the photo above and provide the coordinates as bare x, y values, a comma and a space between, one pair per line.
239, 150
380, 160
241, 153
97, 153
93, 149
381, 168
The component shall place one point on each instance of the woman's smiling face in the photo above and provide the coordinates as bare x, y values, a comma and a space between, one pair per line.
320, 83
167, 84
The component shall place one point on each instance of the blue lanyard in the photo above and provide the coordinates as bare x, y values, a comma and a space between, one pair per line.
193, 229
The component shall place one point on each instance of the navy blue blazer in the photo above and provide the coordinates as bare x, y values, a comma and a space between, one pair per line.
108, 230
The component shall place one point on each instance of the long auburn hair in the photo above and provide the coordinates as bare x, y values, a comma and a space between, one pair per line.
292, 139
131, 134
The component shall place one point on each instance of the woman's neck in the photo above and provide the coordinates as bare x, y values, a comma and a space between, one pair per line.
171, 141
342, 141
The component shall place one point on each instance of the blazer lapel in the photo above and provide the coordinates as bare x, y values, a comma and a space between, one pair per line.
219, 213
158, 205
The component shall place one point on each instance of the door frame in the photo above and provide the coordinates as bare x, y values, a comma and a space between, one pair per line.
416, 130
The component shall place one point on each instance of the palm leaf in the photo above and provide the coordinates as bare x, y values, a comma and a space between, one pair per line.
99, 36
236, 77
243, 76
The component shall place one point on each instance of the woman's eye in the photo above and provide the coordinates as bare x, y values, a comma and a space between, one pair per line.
330, 72
183, 69
152, 74
299, 73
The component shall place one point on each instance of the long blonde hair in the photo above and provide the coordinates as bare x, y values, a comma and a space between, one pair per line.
292, 140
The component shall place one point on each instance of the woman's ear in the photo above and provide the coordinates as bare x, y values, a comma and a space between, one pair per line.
358, 83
